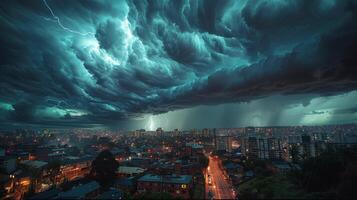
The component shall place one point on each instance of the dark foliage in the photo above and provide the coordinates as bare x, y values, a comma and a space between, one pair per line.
104, 168
332, 175
347, 187
203, 160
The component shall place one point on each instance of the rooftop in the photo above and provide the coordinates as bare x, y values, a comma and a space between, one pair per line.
128, 182
46, 194
130, 170
80, 192
34, 163
111, 194
281, 165
74, 159
56, 154
232, 166
194, 145
179, 179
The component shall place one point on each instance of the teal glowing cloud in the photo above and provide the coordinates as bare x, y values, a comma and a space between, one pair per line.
71, 63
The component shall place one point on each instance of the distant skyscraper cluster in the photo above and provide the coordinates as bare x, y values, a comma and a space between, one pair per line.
294, 144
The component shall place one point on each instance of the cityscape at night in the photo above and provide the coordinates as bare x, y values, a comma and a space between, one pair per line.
178, 99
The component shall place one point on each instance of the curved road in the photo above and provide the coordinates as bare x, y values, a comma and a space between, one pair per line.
219, 187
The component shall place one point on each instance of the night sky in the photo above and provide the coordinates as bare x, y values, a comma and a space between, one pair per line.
177, 64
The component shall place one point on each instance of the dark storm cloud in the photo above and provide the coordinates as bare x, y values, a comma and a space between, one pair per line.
23, 112
98, 62
111, 37
346, 111
316, 112
326, 66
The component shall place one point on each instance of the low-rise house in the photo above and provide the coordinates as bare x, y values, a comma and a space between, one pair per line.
41, 152
112, 193
130, 171
49, 194
35, 164
75, 167
185, 167
37, 171
22, 155
86, 191
8, 165
127, 184
233, 167
139, 162
177, 185
23, 184
194, 148
55, 156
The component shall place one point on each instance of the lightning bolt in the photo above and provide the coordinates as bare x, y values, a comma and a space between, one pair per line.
58, 21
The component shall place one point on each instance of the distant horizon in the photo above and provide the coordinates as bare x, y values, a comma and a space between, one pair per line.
240, 127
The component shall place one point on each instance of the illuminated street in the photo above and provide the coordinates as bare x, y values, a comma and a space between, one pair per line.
219, 187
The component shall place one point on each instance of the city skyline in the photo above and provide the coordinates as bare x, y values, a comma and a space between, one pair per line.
177, 64
195, 164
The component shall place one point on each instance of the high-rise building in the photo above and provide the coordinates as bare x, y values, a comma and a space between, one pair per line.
262, 149
294, 152
253, 148
139, 133
275, 148
339, 137
249, 131
292, 139
306, 146
320, 147
205, 132
159, 132
176, 132
243, 141
223, 141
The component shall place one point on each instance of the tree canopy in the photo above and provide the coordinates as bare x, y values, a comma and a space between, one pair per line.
104, 168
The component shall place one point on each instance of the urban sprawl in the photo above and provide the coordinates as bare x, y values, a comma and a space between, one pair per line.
217, 163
